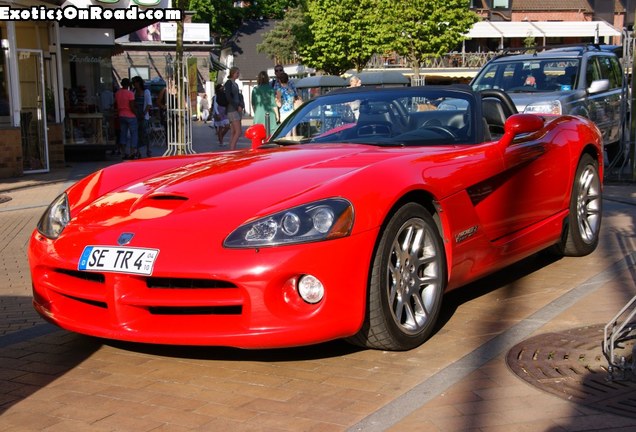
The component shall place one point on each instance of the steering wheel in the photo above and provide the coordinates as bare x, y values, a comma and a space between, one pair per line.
430, 123
443, 129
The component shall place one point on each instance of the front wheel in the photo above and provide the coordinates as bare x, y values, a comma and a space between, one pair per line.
408, 278
586, 204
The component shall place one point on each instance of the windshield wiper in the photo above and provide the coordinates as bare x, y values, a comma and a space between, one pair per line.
378, 143
285, 142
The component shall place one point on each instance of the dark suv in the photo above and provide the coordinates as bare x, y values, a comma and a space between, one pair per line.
581, 80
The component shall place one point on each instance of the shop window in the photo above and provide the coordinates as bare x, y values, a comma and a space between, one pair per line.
88, 96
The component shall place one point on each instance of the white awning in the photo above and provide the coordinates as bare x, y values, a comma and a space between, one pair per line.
541, 29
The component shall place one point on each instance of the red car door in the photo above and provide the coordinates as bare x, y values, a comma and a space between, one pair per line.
532, 186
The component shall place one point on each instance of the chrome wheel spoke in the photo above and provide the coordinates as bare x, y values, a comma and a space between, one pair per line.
588, 205
413, 276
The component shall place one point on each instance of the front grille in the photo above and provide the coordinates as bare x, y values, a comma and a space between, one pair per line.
198, 310
178, 283
99, 304
89, 276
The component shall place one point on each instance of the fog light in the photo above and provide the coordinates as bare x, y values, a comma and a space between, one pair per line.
310, 289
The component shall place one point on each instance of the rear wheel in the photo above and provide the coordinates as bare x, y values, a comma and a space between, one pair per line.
408, 277
584, 221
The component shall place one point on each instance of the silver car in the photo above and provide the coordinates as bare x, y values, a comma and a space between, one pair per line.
582, 80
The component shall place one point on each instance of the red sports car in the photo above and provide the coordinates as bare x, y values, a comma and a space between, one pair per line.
351, 221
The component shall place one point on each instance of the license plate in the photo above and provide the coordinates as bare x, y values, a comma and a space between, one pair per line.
118, 259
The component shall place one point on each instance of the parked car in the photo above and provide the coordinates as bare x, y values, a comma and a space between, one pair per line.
351, 221
581, 80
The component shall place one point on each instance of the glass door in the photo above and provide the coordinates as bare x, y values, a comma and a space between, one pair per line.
32, 111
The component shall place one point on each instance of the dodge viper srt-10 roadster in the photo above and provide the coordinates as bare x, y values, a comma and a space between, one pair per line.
350, 220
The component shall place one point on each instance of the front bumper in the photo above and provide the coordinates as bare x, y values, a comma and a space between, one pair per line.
239, 298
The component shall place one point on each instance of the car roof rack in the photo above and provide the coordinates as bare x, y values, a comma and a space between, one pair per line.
536, 49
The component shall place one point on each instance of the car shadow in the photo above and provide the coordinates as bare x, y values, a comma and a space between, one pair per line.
336, 348
502, 278
35, 356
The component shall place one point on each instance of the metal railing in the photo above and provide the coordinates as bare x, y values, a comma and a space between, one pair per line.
450, 60
179, 108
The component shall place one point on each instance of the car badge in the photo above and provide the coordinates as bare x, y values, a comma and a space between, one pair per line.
125, 238
466, 234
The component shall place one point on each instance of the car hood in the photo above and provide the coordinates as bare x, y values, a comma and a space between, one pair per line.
521, 100
238, 185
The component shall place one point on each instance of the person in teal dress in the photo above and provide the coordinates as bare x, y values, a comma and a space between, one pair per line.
264, 102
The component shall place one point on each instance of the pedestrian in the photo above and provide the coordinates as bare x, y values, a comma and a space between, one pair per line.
235, 106
355, 81
278, 69
205, 108
143, 102
264, 103
125, 103
221, 122
286, 97
198, 114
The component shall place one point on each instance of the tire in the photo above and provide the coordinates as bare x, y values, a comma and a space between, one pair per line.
407, 280
583, 224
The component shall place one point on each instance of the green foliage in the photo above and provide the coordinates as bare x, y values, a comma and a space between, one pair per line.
223, 17
271, 9
343, 34
337, 35
529, 41
417, 29
282, 42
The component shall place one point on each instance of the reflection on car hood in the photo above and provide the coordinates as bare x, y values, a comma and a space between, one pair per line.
241, 184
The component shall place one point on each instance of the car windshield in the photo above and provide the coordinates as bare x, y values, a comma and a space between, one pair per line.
405, 116
534, 75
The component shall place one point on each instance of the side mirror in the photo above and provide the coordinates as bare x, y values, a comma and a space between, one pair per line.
523, 124
257, 134
598, 86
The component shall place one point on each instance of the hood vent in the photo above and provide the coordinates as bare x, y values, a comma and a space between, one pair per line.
167, 197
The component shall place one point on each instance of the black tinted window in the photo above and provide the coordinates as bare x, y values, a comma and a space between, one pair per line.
592, 72
610, 70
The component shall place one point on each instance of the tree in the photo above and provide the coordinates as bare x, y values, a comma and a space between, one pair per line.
282, 42
271, 9
417, 29
343, 34
223, 17
529, 42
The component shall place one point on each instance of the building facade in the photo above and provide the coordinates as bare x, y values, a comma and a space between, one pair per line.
30, 72
55, 81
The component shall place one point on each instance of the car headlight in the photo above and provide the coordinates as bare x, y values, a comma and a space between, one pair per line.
321, 220
546, 107
55, 218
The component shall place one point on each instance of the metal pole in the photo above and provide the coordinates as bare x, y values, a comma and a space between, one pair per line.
632, 128
267, 124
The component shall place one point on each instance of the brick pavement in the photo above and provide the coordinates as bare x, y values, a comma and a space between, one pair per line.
52, 380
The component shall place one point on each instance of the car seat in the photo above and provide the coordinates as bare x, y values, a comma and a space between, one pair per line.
495, 115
